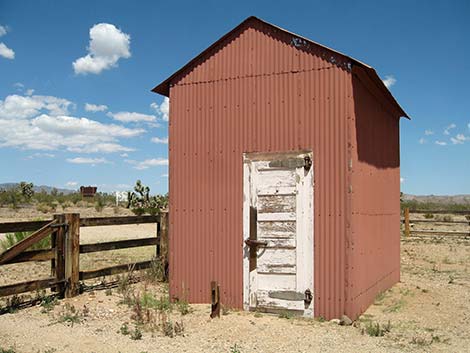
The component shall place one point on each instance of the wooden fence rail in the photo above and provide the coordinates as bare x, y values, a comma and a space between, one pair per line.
65, 250
409, 232
460, 212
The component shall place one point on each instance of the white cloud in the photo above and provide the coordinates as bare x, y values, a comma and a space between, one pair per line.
41, 155
6, 52
95, 108
71, 183
43, 123
3, 30
441, 143
422, 141
83, 160
389, 81
147, 163
468, 125
18, 85
163, 140
29, 92
459, 139
164, 175
428, 132
124, 155
127, 117
162, 110
402, 180
107, 45
100, 148
20, 107
448, 128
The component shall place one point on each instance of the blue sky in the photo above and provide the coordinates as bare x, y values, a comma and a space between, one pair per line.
50, 68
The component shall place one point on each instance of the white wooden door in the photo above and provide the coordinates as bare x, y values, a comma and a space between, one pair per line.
278, 232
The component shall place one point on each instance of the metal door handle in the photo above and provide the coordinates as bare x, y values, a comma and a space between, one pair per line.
251, 242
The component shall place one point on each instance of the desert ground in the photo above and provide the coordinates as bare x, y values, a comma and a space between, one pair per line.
428, 311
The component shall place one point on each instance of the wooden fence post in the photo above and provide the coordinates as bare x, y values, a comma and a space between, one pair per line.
407, 222
72, 254
215, 299
58, 262
164, 222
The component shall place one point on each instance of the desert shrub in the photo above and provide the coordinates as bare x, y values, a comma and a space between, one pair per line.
235, 349
67, 204
450, 207
13, 303
375, 330
286, 314
446, 218
99, 204
44, 208
428, 215
156, 271
183, 307
124, 329
48, 303
136, 334
70, 315
21, 193
9, 350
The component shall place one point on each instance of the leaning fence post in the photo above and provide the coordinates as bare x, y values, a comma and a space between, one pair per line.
407, 222
72, 254
58, 262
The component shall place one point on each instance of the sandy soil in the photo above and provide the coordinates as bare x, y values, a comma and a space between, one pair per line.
429, 311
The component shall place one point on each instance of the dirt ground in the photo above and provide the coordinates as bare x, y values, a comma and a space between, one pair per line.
428, 311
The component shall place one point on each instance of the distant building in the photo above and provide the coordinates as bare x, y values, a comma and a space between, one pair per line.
88, 191
121, 196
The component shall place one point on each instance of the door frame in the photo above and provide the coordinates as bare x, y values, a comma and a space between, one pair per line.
304, 245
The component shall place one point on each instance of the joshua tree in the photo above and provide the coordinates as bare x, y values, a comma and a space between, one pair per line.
141, 202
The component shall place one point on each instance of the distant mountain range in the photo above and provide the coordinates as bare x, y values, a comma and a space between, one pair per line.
37, 188
442, 199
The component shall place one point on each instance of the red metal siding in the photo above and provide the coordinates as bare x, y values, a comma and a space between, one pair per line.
256, 92
374, 240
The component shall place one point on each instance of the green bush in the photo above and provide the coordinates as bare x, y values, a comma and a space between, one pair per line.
375, 330
13, 238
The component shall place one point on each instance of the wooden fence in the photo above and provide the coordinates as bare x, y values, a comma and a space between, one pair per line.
409, 232
65, 250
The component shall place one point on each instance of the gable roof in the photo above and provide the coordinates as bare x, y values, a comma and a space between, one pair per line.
164, 87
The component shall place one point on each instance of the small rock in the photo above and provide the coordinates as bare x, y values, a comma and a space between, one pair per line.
345, 321
335, 321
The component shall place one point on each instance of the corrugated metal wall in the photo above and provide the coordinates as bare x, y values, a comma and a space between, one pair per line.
261, 90
374, 239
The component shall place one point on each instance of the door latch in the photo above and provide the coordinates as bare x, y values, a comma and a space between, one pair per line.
308, 296
252, 242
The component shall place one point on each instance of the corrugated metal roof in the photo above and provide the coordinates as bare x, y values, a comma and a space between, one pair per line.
164, 87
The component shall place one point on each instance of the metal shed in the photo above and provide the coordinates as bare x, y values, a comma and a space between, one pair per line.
284, 176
